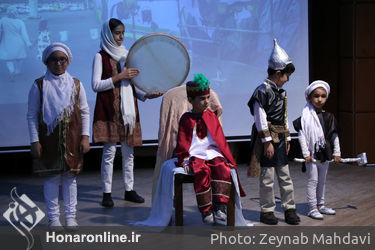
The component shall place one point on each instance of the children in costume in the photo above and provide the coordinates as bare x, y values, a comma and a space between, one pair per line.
116, 117
271, 137
318, 137
203, 150
174, 104
59, 122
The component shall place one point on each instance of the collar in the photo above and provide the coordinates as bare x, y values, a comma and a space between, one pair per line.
271, 83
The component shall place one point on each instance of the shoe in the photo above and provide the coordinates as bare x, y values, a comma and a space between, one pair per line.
71, 224
107, 200
291, 217
220, 213
326, 210
55, 226
208, 217
268, 218
220, 217
315, 214
133, 197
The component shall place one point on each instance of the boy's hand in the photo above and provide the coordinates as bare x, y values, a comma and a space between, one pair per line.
336, 159
36, 150
268, 149
308, 159
84, 145
287, 147
187, 168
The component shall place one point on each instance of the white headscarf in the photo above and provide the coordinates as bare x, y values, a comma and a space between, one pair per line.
109, 45
310, 123
58, 91
119, 53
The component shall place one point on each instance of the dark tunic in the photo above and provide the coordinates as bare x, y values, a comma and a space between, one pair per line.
273, 101
330, 126
108, 123
60, 149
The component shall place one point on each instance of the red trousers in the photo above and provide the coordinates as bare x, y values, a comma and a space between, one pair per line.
212, 181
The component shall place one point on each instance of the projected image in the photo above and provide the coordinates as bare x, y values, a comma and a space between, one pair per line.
227, 40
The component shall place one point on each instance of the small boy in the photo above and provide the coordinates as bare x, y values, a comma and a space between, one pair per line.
202, 149
271, 136
319, 141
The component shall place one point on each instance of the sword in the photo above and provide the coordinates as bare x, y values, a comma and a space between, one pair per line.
361, 160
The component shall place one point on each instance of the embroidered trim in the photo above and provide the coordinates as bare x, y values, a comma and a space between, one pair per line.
226, 196
264, 133
205, 205
221, 187
208, 190
226, 182
204, 198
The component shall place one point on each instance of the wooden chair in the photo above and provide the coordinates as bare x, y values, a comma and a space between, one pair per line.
179, 180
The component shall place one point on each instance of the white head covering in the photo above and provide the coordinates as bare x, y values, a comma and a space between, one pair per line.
311, 127
58, 91
119, 53
56, 47
108, 44
314, 85
279, 58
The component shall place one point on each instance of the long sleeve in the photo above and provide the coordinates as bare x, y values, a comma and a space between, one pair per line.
303, 144
336, 145
33, 113
139, 94
99, 85
85, 111
260, 119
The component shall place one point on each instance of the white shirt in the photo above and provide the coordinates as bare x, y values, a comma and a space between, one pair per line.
205, 149
305, 149
260, 119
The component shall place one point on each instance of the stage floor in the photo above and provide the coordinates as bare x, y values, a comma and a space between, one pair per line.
350, 191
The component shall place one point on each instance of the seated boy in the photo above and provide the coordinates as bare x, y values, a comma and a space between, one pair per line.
203, 150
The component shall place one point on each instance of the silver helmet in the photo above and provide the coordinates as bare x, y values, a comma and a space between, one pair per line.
279, 58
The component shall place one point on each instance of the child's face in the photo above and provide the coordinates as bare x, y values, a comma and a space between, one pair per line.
57, 62
281, 79
318, 98
200, 103
118, 34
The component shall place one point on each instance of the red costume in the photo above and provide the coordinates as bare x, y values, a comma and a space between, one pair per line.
213, 173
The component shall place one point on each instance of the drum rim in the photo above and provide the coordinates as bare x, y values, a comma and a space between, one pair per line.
159, 34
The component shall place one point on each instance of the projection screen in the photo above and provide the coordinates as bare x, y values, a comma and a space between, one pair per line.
228, 40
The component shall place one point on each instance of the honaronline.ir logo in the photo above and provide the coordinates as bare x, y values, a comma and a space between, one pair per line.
23, 214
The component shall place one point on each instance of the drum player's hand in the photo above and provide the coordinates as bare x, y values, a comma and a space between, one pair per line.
154, 95
129, 73
124, 74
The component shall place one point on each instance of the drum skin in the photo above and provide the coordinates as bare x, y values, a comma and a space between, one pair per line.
162, 60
